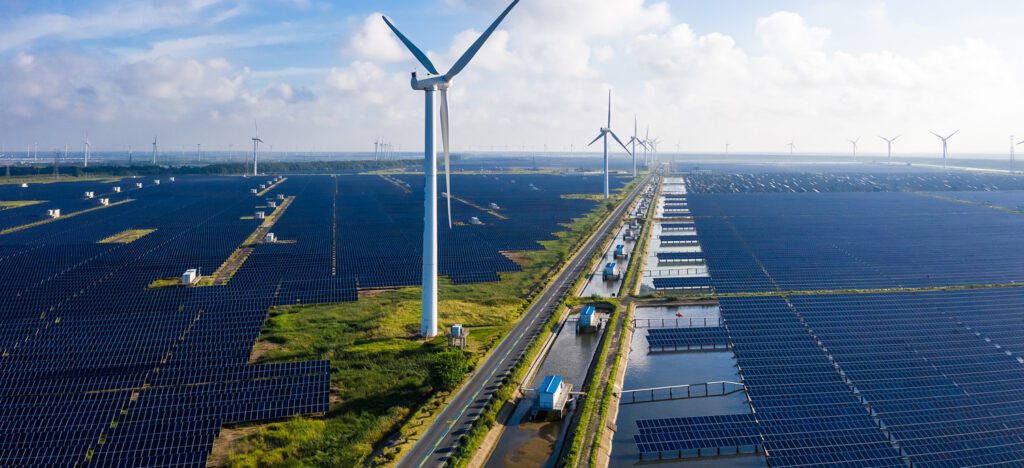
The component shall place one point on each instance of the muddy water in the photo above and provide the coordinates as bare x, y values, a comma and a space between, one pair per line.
532, 444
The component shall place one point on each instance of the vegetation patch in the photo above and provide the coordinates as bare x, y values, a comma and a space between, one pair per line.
583, 196
9, 205
127, 237
381, 374
164, 283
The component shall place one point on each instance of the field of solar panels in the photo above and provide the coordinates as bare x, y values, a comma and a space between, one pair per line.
104, 360
874, 319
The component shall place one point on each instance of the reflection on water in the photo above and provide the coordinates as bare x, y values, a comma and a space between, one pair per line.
646, 370
532, 444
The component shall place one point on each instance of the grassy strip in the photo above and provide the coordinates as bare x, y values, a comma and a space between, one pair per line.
50, 179
609, 389
591, 402
9, 205
127, 237
71, 215
271, 187
633, 275
238, 257
380, 382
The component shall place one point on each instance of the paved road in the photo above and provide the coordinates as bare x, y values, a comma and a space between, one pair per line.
440, 439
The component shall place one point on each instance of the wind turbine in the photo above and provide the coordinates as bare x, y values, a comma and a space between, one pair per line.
255, 147
154, 150
605, 131
88, 149
854, 143
1013, 162
130, 155
633, 140
792, 146
945, 145
430, 85
376, 146
889, 142
727, 145
199, 151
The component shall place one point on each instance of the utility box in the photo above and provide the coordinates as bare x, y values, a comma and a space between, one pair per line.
171, 179
54, 213
588, 321
261, 215
494, 206
90, 194
475, 221
105, 201
611, 272
117, 189
280, 197
620, 251
138, 185
272, 204
270, 238
24, 185
263, 186
253, 191
156, 182
457, 336
190, 277
553, 394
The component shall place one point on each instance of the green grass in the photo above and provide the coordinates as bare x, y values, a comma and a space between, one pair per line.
379, 372
10, 205
128, 236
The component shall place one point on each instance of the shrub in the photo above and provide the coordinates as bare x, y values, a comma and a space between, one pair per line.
448, 368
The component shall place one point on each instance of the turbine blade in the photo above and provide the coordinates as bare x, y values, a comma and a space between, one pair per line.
416, 52
616, 137
951, 134
940, 136
447, 153
466, 57
599, 135
609, 108
897, 137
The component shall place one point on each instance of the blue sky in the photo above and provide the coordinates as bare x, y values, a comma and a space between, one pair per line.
327, 75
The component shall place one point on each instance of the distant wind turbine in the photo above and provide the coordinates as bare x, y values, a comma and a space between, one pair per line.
889, 142
633, 140
88, 150
1013, 162
430, 85
727, 149
854, 143
605, 131
130, 155
255, 149
792, 146
154, 150
945, 145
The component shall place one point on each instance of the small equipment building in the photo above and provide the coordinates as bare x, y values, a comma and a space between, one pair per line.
189, 277
552, 395
611, 271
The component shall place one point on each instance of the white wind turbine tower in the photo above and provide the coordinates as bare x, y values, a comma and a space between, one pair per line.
727, 145
431, 84
88, 150
154, 150
1013, 162
945, 145
854, 143
633, 140
889, 142
605, 131
792, 146
255, 148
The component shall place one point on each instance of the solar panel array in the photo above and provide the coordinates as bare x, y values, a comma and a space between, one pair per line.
685, 282
843, 241
806, 413
942, 371
699, 433
97, 369
687, 338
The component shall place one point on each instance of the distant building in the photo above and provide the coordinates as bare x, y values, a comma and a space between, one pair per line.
189, 277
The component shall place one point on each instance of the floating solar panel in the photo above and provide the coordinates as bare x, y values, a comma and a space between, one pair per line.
694, 282
676, 339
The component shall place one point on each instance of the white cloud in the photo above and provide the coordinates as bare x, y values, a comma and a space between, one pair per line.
374, 41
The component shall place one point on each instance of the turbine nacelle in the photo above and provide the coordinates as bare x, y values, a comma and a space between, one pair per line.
430, 83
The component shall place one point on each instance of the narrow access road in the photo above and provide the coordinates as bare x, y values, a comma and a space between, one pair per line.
439, 441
